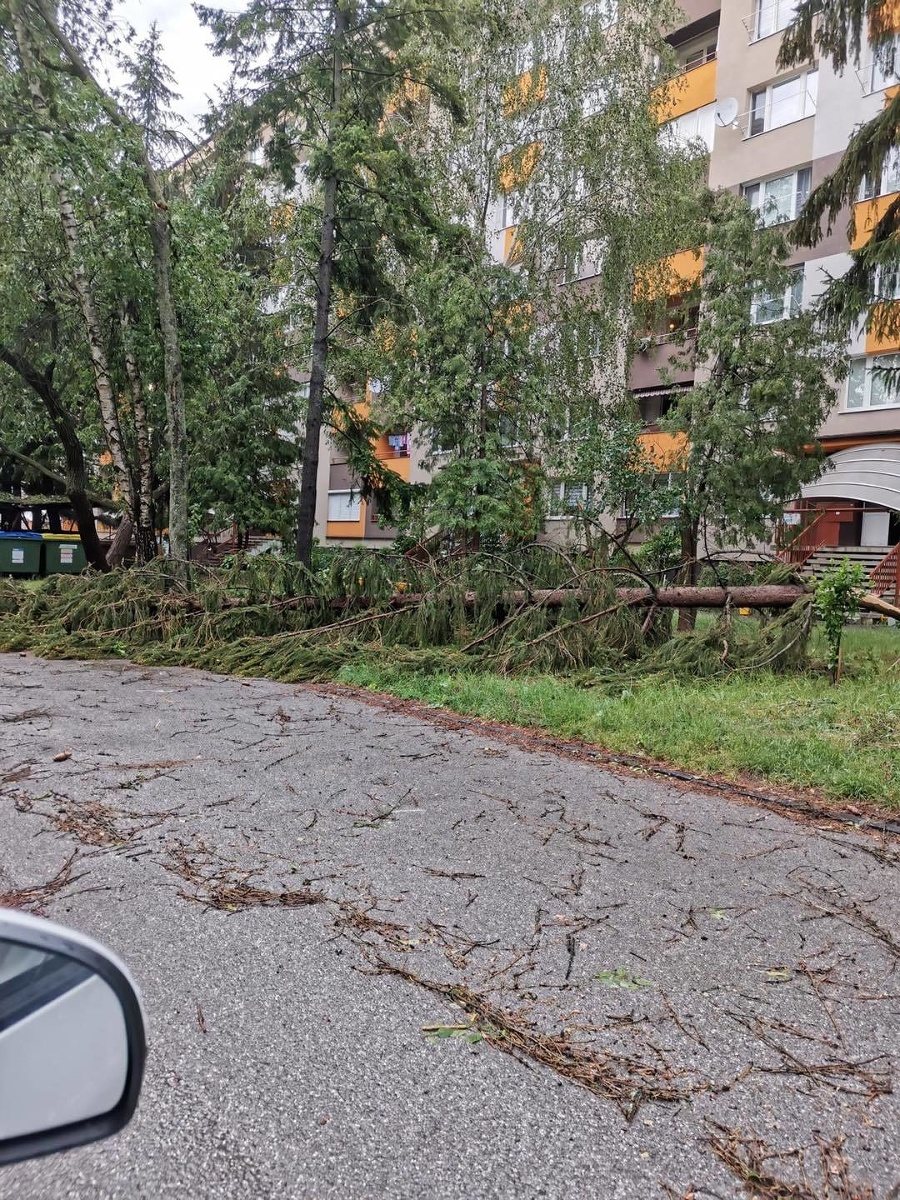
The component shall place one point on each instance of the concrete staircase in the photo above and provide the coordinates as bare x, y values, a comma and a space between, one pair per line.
826, 557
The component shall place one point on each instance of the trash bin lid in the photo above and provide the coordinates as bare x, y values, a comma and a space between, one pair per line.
60, 537
36, 537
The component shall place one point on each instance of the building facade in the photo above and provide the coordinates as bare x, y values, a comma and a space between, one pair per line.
772, 136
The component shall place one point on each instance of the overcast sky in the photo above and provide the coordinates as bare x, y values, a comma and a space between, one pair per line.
184, 40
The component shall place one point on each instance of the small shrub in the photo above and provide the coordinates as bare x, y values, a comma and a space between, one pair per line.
836, 601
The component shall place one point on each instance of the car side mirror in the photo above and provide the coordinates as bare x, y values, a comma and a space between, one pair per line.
72, 1043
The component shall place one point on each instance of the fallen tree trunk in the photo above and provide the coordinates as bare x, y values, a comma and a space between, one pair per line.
758, 596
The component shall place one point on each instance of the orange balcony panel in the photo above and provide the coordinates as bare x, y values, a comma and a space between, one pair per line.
885, 19
530, 88
348, 529
890, 93
663, 451
866, 216
509, 243
690, 90
400, 466
517, 166
880, 343
672, 276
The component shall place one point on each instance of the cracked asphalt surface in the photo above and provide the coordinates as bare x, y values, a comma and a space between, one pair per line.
381, 958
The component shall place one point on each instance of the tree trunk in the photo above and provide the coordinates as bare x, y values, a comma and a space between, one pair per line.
687, 617
109, 413
120, 543
309, 465
144, 534
160, 238
41, 383
106, 399
173, 379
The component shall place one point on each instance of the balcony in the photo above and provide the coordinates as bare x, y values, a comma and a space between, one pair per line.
689, 90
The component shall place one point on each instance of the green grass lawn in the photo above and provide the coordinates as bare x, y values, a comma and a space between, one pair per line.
793, 729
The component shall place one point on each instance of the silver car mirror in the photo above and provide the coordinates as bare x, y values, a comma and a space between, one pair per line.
72, 1043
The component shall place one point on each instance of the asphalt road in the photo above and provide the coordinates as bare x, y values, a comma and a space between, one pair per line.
723, 979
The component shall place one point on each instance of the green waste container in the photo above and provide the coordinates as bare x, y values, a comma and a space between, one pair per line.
21, 553
63, 554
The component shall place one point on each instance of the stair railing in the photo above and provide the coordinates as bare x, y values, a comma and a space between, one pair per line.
886, 576
806, 543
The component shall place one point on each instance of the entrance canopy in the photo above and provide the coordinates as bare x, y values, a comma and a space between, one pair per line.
867, 473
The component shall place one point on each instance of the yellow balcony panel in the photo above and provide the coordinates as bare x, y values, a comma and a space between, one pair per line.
885, 19
888, 338
516, 166
530, 88
672, 276
400, 466
663, 451
690, 90
512, 249
347, 529
866, 216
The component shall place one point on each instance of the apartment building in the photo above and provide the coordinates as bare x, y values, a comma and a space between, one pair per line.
771, 135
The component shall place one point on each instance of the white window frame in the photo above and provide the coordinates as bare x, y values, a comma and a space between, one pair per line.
769, 101
525, 59
510, 209
596, 98
668, 476
886, 284
888, 179
862, 379
755, 195
781, 13
564, 504
884, 69
350, 501
704, 49
792, 302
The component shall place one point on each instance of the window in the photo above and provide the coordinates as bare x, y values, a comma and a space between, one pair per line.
886, 283
696, 52
885, 67
567, 497
772, 16
777, 200
509, 214
768, 307
595, 99
887, 180
343, 506
667, 483
874, 382
654, 405
781, 103
686, 131
524, 59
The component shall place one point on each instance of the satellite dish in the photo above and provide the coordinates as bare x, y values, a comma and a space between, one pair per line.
376, 387
726, 111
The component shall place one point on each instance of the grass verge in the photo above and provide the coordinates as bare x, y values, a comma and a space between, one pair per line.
795, 730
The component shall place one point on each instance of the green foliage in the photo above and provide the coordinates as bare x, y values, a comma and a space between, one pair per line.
791, 728
621, 977
836, 601
747, 428
847, 32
